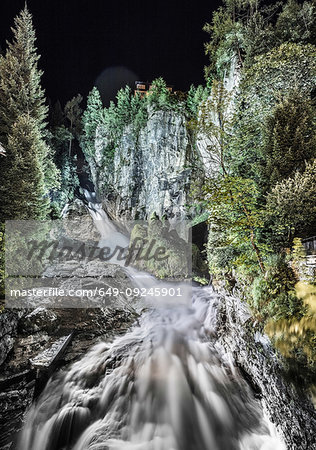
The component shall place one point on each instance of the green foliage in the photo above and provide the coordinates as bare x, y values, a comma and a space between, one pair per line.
222, 250
139, 113
195, 97
290, 138
92, 118
59, 140
297, 22
276, 80
23, 191
298, 250
111, 121
130, 110
225, 40
260, 191
283, 69
232, 205
291, 204
230, 200
159, 96
247, 29
27, 172
273, 295
73, 113
20, 78
297, 261
123, 106
295, 336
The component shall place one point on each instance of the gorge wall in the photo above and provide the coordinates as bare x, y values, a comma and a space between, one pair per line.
150, 172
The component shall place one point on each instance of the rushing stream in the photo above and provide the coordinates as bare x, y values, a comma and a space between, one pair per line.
165, 385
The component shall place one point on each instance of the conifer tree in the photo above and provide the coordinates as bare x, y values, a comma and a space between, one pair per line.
22, 189
139, 114
195, 97
27, 172
73, 114
123, 106
20, 78
92, 117
57, 116
159, 95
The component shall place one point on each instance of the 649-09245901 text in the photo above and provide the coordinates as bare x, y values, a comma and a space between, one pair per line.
99, 292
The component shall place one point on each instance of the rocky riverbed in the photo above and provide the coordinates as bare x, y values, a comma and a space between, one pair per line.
29, 332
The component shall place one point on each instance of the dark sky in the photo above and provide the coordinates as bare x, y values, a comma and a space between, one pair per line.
80, 39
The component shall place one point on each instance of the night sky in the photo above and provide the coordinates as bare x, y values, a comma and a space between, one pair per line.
81, 41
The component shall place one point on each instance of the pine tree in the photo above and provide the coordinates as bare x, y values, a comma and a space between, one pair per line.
139, 113
195, 97
20, 78
27, 172
159, 95
92, 117
73, 113
123, 106
22, 189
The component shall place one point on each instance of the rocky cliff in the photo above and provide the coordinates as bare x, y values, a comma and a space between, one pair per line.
150, 172
291, 411
207, 140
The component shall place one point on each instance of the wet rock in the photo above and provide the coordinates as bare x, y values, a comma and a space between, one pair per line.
17, 382
292, 412
8, 326
14, 401
6, 345
74, 209
25, 347
41, 319
175, 261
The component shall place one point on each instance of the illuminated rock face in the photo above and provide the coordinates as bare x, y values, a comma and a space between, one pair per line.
150, 173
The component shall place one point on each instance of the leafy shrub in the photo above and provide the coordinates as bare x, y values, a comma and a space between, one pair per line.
296, 337
273, 296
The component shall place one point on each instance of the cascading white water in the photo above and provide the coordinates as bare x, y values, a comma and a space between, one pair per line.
164, 385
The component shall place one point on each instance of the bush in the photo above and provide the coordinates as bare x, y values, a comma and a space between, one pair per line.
296, 339
273, 296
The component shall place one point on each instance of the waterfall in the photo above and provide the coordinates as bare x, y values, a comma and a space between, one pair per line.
165, 385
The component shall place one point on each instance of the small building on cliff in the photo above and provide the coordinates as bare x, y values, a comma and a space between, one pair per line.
143, 88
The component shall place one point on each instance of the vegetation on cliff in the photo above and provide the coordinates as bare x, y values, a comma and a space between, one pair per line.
133, 110
261, 192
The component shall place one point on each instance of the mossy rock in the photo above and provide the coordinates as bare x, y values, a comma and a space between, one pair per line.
167, 255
